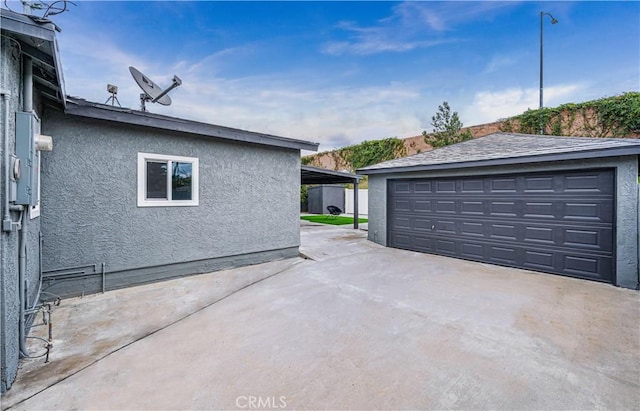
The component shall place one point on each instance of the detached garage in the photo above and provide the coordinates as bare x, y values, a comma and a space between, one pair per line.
561, 205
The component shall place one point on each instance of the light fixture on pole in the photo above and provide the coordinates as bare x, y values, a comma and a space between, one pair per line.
553, 21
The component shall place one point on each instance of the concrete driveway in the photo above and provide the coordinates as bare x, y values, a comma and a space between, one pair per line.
356, 326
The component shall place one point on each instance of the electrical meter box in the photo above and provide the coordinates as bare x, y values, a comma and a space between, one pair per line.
27, 128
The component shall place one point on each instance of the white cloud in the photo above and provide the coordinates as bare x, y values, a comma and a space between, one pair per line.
410, 26
489, 106
332, 116
499, 61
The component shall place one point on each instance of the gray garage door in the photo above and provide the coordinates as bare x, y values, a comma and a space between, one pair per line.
559, 223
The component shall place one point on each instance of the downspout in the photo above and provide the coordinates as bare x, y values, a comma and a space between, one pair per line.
27, 106
7, 224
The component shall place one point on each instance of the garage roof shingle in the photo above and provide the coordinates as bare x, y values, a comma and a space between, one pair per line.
508, 148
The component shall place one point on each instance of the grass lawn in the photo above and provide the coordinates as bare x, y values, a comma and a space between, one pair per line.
328, 219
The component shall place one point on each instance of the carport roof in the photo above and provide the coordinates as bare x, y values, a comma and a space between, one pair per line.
508, 148
315, 175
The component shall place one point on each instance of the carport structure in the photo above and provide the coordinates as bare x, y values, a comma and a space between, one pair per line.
316, 175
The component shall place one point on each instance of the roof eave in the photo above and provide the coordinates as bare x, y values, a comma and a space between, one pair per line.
577, 155
316, 175
137, 118
23, 25
58, 63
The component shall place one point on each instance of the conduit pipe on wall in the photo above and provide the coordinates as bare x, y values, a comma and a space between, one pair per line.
27, 106
22, 268
7, 224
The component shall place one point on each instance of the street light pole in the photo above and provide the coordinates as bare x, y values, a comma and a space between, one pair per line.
553, 21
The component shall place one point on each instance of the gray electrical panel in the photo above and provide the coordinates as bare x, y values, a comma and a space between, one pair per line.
27, 127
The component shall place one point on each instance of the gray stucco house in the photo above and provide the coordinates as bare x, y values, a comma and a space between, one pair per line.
30, 75
561, 205
132, 197
125, 197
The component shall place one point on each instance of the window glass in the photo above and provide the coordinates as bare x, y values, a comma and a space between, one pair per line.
181, 181
156, 179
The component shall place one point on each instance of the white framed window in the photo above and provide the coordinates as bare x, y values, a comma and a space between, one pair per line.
167, 181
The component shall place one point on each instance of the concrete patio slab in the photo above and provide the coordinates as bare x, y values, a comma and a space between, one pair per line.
361, 327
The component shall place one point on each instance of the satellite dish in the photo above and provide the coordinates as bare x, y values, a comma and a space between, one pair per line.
153, 92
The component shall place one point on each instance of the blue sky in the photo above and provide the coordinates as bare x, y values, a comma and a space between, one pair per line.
343, 72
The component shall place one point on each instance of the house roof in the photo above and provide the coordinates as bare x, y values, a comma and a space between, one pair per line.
316, 175
82, 108
508, 148
37, 39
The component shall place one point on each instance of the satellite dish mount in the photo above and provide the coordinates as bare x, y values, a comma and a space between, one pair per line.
151, 91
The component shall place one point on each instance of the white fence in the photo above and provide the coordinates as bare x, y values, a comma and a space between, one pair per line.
363, 201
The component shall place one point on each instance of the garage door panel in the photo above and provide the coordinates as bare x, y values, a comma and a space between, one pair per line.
423, 244
473, 251
445, 186
581, 210
560, 223
422, 224
539, 259
504, 232
581, 264
424, 187
540, 209
588, 183
503, 254
401, 240
594, 238
543, 235
472, 186
446, 227
447, 247
422, 205
446, 206
531, 234
597, 211
472, 207
402, 205
402, 223
401, 187
502, 185
469, 228
539, 185
585, 240
503, 208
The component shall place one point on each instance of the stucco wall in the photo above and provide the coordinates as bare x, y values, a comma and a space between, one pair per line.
249, 199
10, 81
626, 204
320, 197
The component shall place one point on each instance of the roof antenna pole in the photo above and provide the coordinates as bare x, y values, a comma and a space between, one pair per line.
143, 98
